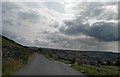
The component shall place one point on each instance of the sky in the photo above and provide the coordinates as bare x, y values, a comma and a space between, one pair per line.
62, 24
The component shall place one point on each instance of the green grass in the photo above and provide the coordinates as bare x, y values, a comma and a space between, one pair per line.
0, 69
65, 61
10, 66
7, 42
31, 57
92, 71
0, 40
51, 58
97, 70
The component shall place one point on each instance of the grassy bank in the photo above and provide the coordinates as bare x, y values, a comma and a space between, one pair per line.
14, 55
109, 71
12, 65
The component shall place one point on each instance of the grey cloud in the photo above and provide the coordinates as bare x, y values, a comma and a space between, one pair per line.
35, 5
101, 30
0, 18
104, 31
9, 34
60, 41
18, 39
30, 16
15, 12
37, 24
73, 27
55, 6
9, 6
9, 9
17, 21
97, 10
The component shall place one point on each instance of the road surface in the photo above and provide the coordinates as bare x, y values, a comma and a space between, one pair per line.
42, 66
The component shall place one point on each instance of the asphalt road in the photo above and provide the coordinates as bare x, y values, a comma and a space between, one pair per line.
42, 66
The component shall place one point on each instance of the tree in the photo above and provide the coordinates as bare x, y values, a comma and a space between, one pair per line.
73, 61
109, 62
40, 49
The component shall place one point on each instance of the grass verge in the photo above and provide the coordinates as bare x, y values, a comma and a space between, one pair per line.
11, 65
97, 70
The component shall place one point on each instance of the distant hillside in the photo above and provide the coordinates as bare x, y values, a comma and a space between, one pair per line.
98, 54
101, 54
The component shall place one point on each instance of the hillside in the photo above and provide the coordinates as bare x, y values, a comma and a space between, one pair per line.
8, 42
14, 55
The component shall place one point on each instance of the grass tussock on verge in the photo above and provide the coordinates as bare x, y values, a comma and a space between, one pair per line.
31, 56
51, 57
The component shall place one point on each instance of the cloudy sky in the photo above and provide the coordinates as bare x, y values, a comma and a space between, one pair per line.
62, 24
